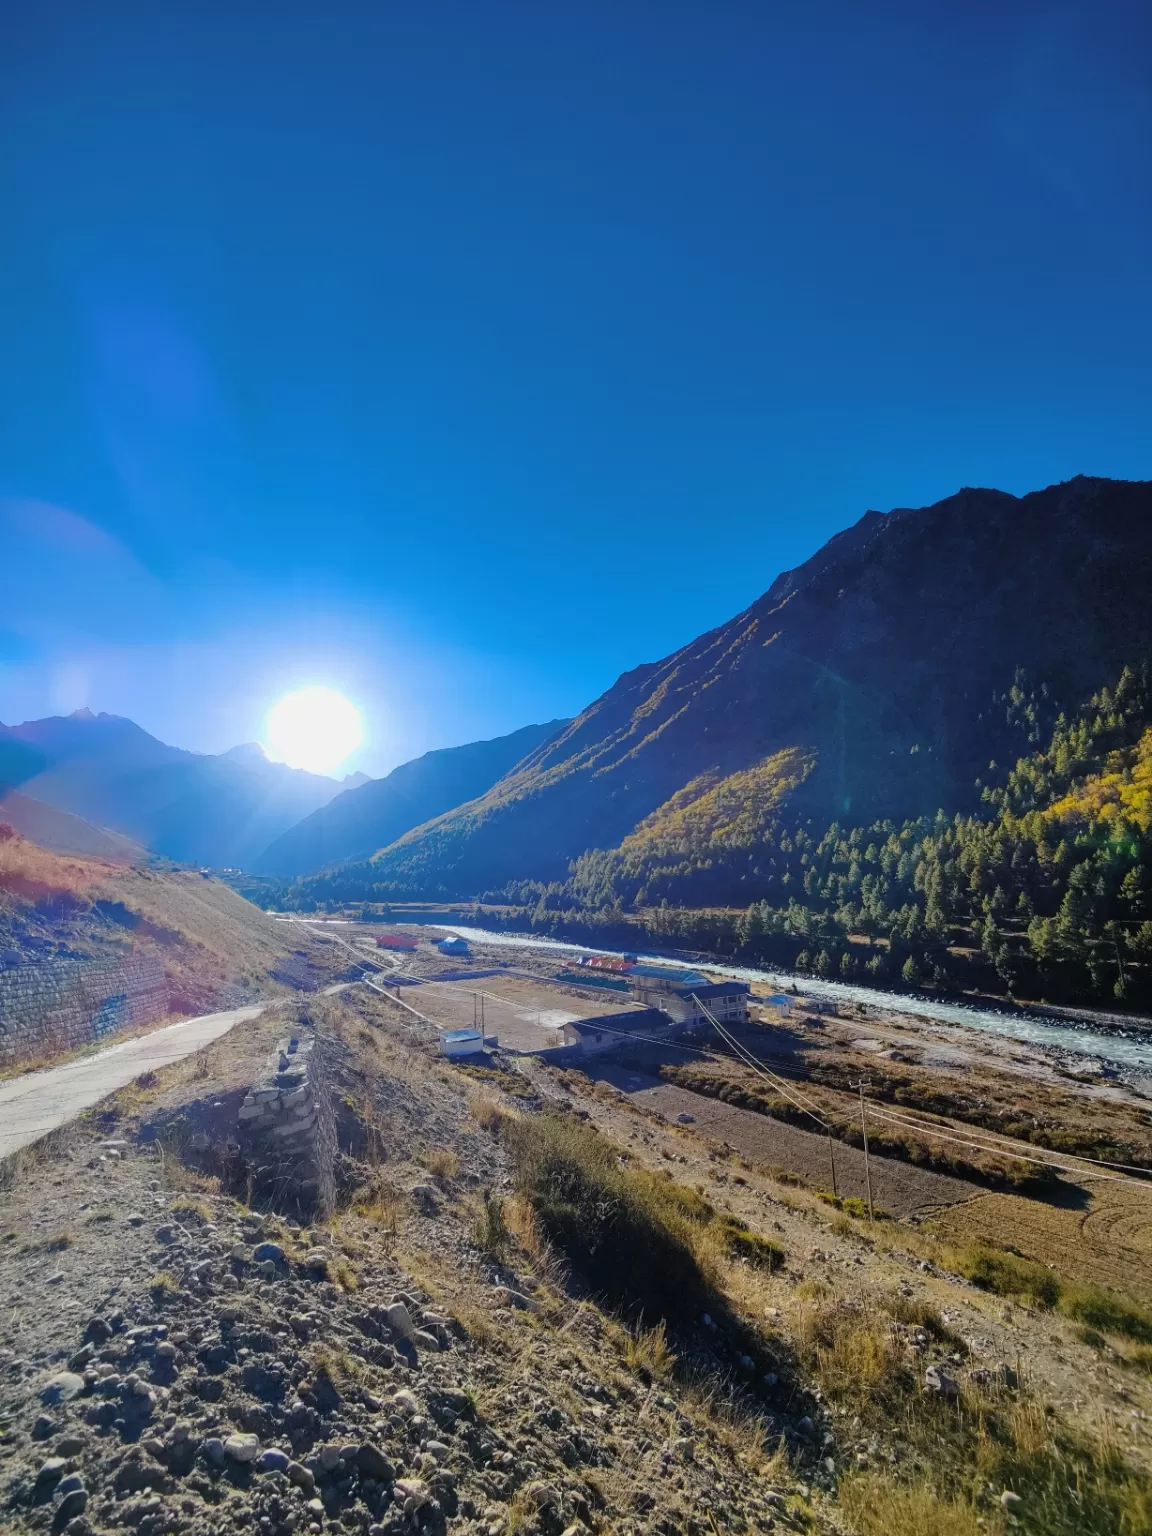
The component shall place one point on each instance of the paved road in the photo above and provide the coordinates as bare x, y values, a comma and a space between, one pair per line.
38, 1102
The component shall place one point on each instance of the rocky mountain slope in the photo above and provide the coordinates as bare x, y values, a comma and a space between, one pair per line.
362, 820
203, 809
871, 681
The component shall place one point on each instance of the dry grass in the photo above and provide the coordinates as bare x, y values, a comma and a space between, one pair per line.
443, 1165
187, 1205
878, 1507
647, 1352
384, 1206
490, 1229
488, 1112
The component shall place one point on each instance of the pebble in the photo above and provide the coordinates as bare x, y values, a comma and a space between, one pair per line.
135, 1220
398, 1318
52, 1469
74, 1503
266, 1251
275, 1461
166, 1234
213, 1450
62, 1388
372, 1462
242, 1448
937, 1379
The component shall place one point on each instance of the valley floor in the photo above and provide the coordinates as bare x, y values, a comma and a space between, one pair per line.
222, 1386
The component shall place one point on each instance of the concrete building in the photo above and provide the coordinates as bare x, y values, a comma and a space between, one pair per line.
610, 1031
454, 946
679, 993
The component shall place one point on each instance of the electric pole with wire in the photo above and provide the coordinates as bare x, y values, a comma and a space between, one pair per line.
864, 1133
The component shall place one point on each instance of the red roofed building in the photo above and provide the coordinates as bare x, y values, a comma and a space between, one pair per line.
395, 941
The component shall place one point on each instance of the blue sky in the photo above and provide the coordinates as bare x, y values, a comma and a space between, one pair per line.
461, 356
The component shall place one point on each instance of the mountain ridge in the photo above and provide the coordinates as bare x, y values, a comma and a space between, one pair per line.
198, 808
882, 654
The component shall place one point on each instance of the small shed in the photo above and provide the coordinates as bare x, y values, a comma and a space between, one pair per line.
454, 946
461, 1042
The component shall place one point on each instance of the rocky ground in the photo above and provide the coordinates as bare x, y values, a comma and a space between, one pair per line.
172, 1361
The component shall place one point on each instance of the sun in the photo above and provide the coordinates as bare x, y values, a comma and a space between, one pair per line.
314, 728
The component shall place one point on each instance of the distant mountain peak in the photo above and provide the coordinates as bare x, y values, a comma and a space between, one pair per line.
354, 780
83, 713
247, 752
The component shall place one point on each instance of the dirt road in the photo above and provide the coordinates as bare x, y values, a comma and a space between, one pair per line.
39, 1102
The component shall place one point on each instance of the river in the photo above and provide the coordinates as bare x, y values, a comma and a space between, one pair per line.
1117, 1046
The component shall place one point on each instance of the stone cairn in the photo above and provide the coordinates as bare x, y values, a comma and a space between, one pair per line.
287, 1133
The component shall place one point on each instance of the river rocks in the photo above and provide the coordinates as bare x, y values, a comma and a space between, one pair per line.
268, 1251
274, 1461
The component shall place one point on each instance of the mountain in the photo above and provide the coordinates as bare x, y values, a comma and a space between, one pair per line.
202, 809
250, 754
61, 832
878, 679
361, 820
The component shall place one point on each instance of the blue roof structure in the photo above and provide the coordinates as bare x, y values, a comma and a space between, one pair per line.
667, 973
456, 1035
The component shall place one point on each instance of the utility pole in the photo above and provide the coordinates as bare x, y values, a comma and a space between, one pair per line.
867, 1166
832, 1160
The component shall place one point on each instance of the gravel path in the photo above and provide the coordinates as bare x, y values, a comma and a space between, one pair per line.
39, 1102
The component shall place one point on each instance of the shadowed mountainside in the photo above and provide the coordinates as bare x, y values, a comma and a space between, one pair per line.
360, 821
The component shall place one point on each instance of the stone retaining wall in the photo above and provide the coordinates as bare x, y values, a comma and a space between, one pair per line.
287, 1131
61, 1004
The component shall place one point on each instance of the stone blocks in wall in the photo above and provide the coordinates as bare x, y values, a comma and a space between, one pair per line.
286, 1129
58, 1005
